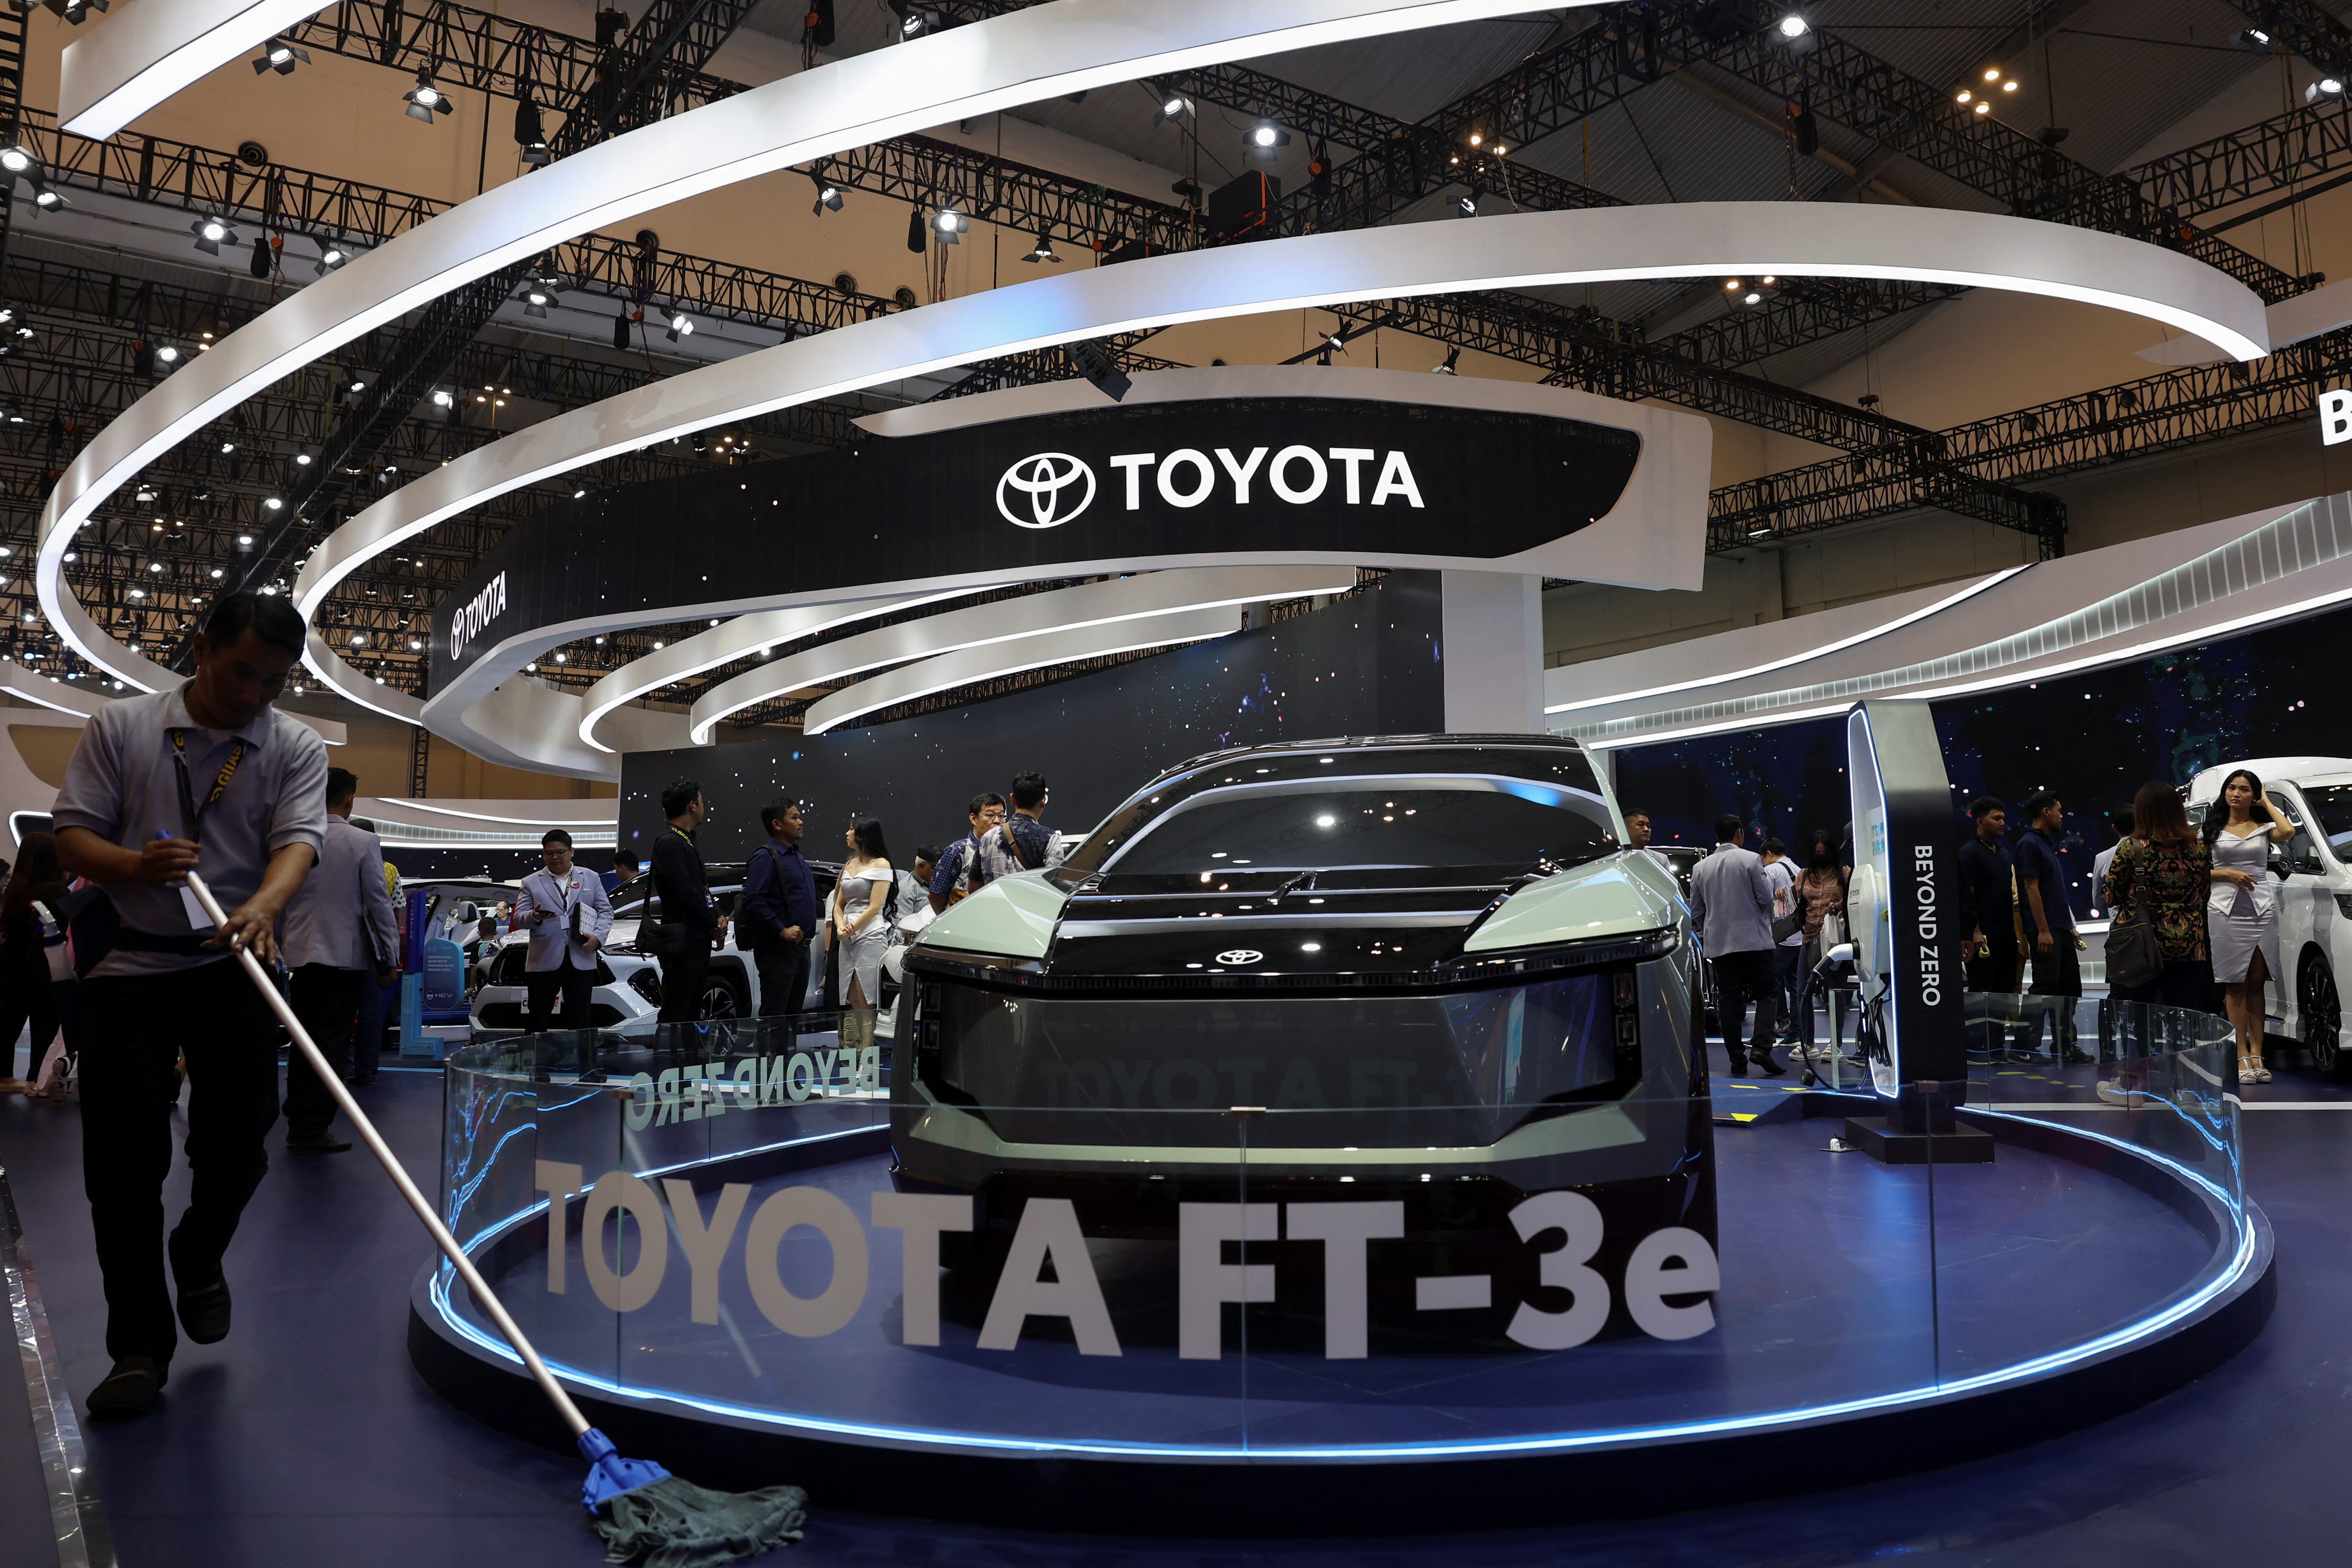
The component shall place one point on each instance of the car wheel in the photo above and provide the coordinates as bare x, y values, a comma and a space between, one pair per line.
2323, 1017
718, 1001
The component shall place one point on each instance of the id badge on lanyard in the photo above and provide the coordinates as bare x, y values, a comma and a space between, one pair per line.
191, 811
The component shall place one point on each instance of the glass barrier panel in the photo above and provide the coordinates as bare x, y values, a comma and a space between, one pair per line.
2093, 1183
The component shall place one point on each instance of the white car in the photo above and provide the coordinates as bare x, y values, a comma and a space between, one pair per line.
628, 992
2314, 793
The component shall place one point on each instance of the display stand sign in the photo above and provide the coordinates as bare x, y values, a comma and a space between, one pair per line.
1903, 909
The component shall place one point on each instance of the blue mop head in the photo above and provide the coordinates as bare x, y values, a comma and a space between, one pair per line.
646, 1514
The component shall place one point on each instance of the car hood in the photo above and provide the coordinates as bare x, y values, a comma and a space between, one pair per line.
1410, 927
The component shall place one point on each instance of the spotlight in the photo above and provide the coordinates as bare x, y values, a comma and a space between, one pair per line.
1044, 251
1090, 361
1984, 106
274, 504
332, 253
1265, 140
280, 56
213, 233
1794, 34
914, 21
530, 136
2254, 39
424, 99
77, 11
444, 398
950, 226
227, 446
2325, 86
828, 195
1453, 358
1466, 206
47, 200
15, 160
679, 326
534, 301
1173, 107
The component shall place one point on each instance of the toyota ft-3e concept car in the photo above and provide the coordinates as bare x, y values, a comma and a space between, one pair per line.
1417, 969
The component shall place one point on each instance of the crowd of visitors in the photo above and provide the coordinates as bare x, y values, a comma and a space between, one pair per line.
1768, 922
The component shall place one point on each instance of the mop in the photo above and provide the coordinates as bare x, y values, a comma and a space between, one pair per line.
643, 1511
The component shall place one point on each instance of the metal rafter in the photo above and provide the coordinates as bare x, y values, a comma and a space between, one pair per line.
632, 84
2303, 28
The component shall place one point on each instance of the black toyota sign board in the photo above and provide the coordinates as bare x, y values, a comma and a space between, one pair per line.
1911, 924
1171, 482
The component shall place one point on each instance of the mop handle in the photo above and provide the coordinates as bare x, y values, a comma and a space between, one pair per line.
483, 1297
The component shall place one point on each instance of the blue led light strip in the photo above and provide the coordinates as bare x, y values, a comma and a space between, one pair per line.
2145, 1328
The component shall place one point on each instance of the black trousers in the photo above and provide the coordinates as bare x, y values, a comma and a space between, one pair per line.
327, 1000
1740, 978
2057, 975
576, 985
27, 996
1998, 974
133, 1030
682, 977
783, 976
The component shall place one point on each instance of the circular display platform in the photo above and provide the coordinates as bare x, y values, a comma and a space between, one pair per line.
1902, 1316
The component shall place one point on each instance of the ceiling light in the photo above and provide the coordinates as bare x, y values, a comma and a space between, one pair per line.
1794, 34
47, 201
1964, 96
274, 504
211, 233
1984, 106
1453, 358
2253, 39
828, 195
1265, 140
1791, 26
2325, 86
358, 639
77, 11
1173, 107
330, 256
155, 566
15, 158
535, 302
914, 21
227, 446
950, 226
301, 460
1467, 204
1992, 73
280, 56
168, 354
681, 326
423, 99
359, 386
2009, 87
138, 593
577, 494
1044, 251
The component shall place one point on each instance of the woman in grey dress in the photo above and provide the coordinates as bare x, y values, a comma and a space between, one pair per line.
861, 904
2241, 912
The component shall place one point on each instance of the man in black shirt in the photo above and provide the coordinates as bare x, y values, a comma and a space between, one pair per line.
780, 913
2049, 919
684, 889
1988, 893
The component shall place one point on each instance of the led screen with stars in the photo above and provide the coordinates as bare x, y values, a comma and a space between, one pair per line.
2092, 739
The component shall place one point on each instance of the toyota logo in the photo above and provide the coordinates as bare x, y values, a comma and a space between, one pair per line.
1240, 955
1041, 479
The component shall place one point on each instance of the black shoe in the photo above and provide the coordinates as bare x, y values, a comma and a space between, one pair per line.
204, 1303
128, 1389
1768, 1067
2078, 1057
315, 1144
1737, 1068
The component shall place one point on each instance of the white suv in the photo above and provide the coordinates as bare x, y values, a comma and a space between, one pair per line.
628, 994
2314, 793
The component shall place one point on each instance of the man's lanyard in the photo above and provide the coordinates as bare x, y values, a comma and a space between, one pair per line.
191, 815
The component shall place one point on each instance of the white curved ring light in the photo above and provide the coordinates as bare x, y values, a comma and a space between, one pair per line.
991, 661
732, 640
1089, 605
1520, 251
1043, 52
119, 69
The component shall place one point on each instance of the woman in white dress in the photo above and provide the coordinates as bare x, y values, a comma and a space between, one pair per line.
861, 905
2242, 913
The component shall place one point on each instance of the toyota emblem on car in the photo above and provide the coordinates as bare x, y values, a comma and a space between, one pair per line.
1240, 955
1043, 479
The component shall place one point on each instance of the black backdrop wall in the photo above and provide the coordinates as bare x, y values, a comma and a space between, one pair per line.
2092, 739
1367, 665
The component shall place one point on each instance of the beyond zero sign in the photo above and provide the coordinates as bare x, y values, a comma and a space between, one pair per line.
1047, 1272
1050, 488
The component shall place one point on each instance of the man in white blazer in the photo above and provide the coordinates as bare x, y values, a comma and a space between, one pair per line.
568, 916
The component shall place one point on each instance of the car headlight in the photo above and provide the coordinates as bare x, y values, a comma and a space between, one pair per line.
646, 983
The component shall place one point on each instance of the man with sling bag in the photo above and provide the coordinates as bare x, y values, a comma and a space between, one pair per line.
155, 778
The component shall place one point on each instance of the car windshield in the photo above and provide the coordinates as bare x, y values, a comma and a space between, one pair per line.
1371, 824
2332, 805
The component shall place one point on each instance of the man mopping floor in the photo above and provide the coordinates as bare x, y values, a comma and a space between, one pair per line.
208, 776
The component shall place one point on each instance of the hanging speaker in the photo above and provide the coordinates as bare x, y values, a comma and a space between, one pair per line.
915, 240
260, 265
142, 359
621, 331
